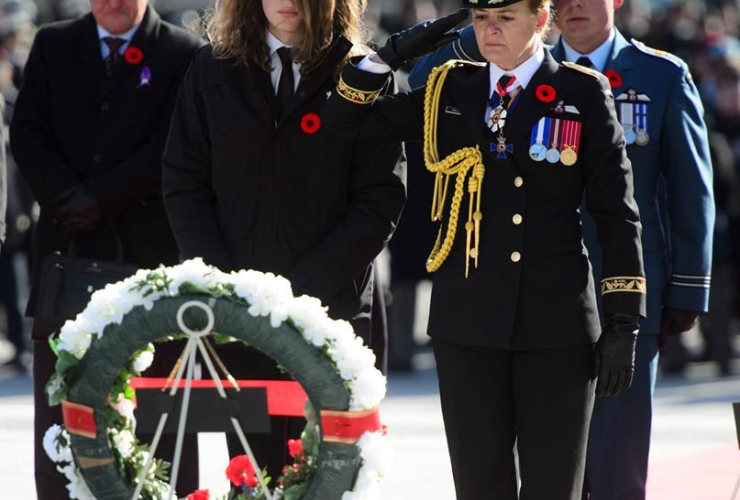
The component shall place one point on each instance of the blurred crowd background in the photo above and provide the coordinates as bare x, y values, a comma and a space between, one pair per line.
704, 33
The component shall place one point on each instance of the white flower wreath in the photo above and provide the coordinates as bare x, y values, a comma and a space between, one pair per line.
266, 295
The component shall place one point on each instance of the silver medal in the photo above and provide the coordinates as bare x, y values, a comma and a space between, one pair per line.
537, 152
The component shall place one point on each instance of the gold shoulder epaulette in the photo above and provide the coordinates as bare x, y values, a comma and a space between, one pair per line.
582, 69
657, 53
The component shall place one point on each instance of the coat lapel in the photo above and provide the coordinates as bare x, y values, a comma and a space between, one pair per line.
88, 46
313, 81
620, 61
259, 95
529, 109
145, 39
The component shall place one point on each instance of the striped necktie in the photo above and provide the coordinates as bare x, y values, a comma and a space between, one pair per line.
114, 46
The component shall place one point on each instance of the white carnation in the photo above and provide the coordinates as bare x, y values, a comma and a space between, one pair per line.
377, 455
54, 450
125, 407
368, 390
144, 359
193, 271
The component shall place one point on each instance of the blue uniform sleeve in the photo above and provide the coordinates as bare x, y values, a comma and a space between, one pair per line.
465, 48
687, 170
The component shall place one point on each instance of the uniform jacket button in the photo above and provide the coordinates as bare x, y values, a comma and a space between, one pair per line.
104, 106
518, 182
517, 219
98, 158
516, 257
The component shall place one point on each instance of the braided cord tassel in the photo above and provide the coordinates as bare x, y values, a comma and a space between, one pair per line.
457, 163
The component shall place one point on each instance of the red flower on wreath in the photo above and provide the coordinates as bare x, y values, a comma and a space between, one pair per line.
199, 495
133, 55
241, 472
311, 123
545, 93
615, 79
295, 447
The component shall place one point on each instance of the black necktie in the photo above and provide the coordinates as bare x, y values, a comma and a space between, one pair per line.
114, 45
286, 83
585, 61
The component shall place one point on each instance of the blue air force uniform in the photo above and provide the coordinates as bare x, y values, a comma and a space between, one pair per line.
661, 114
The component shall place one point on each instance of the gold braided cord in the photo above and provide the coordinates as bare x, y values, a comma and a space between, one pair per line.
459, 164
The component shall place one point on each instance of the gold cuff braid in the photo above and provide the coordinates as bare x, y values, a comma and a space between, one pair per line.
354, 95
630, 284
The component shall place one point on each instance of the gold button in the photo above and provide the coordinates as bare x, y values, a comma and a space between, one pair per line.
517, 219
516, 257
518, 182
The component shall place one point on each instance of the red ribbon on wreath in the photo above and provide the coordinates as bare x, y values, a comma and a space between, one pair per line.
545, 93
79, 419
615, 79
133, 55
349, 426
311, 123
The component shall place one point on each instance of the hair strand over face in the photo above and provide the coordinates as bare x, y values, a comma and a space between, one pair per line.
236, 29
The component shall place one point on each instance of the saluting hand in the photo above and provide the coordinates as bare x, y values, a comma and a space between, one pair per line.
615, 354
420, 39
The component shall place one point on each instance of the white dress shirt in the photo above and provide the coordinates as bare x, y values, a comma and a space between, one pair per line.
277, 66
598, 57
126, 37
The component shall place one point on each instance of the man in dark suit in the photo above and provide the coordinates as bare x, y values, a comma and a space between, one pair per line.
655, 99
88, 133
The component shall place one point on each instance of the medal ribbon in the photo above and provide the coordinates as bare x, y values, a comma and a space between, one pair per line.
576, 139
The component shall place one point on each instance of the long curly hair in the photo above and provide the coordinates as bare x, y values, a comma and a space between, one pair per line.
236, 29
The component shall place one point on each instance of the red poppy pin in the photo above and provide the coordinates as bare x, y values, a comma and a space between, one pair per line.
133, 55
545, 93
615, 79
311, 123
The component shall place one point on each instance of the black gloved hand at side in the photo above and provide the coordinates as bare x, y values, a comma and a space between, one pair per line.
674, 322
78, 211
615, 354
420, 39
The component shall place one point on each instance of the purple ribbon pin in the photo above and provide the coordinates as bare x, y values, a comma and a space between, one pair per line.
145, 77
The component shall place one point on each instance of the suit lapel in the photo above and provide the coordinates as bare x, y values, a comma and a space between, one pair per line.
88, 46
529, 109
145, 40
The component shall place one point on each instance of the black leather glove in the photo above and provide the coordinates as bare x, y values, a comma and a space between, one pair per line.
615, 354
420, 39
674, 322
78, 211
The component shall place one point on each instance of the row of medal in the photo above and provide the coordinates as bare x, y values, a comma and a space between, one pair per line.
634, 119
555, 140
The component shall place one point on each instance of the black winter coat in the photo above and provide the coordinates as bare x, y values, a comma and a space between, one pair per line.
245, 191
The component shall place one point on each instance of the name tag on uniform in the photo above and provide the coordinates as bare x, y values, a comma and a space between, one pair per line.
451, 110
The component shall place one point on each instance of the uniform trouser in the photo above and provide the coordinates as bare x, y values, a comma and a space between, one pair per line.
51, 484
541, 399
619, 440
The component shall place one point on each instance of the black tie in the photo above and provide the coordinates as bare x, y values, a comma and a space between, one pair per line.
585, 61
286, 83
114, 45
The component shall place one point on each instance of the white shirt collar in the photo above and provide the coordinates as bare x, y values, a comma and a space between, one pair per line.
102, 33
274, 43
523, 73
599, 57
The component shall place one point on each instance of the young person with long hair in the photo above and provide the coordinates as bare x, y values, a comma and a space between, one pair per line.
253, 181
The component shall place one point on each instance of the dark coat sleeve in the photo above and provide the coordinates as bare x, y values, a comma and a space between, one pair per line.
464, 48
186, 179
377, 197
32, 140
610, 201
139, 176
3, 185
389, 118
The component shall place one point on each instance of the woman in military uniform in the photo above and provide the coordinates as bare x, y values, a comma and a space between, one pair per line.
515, 145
